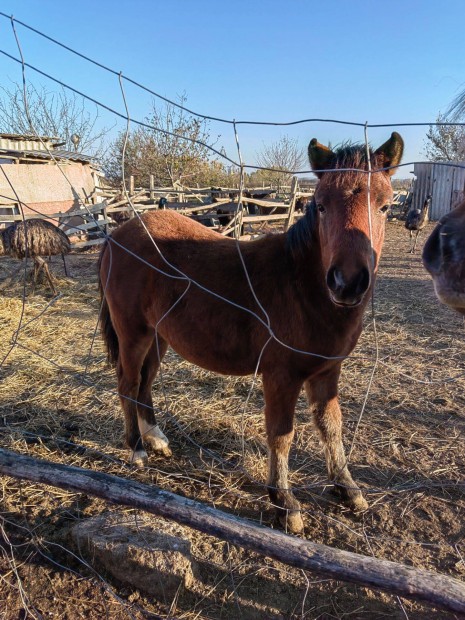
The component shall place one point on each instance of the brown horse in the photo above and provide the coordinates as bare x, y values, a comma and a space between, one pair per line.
444, 258
169, 281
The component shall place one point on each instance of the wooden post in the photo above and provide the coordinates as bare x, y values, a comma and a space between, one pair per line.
131, 185
437, 590
238, 221
152, 187
292, 199
105, 216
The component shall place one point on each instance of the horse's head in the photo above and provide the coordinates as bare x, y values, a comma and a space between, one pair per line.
345, 203
444, 258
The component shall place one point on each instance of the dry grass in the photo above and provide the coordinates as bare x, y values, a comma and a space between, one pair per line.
409, 455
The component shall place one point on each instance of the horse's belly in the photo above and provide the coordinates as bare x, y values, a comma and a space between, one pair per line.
214, 354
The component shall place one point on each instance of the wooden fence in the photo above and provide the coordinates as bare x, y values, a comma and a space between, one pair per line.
92, 220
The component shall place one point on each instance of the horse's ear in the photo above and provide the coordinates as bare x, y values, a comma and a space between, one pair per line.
390, 153
320, 157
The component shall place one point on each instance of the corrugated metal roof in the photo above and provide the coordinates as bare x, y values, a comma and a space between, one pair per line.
26, 136
41, 154
16, 142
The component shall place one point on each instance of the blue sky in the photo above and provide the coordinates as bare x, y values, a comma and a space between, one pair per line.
358, 60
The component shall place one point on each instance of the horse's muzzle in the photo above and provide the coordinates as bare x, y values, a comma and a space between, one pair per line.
445, 247
444, 258
347, 291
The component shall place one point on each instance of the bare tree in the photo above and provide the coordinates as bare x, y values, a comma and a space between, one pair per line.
285, 156
59, 115
175, 149
445, 142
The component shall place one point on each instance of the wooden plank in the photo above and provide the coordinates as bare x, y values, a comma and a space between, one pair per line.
84, 244
438, 590
272, 204
97, 224
54, 216
255, 219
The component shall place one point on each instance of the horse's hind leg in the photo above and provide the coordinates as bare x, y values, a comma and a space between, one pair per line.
280, 399
133, 349
148, 427
322, 396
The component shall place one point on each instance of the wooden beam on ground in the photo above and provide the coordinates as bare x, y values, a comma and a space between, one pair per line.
437, 590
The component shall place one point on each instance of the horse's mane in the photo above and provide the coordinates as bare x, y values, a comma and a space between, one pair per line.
302, 234
353, 156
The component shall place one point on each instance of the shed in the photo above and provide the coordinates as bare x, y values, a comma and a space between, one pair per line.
46, 179
446, 184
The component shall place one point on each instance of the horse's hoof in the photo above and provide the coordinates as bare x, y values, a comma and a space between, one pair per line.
291, 522
139, 458
158, 446
166, 451
157, 441
358, 504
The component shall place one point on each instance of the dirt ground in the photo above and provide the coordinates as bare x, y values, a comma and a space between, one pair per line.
58, 402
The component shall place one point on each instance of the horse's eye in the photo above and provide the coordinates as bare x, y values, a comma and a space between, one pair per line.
384, 209
320, 207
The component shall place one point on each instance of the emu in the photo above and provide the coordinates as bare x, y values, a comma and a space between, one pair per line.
417, 220
35, 239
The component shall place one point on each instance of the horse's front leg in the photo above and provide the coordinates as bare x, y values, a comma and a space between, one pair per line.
280, 398
323, 398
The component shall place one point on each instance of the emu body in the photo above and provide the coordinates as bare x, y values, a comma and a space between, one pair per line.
416, 221
171, 286
35, 239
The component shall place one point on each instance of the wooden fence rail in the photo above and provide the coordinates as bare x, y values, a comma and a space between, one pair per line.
437, 590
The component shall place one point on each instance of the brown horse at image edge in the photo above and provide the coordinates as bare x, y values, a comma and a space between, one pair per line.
444, 258
165, 280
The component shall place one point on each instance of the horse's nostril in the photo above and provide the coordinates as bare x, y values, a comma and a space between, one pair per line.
363, 281
334, 279
347, 289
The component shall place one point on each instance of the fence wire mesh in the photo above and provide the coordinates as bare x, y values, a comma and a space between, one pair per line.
76, 417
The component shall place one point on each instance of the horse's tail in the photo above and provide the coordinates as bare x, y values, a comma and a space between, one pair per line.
107, 330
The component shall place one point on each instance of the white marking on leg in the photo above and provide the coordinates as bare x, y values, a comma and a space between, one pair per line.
154, 436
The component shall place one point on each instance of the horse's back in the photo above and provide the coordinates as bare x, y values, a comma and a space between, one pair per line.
165, 225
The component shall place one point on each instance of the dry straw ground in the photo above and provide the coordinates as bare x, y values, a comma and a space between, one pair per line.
409, 455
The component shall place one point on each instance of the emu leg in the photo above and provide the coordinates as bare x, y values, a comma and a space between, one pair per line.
151, 433
411, 242
280, 399
67, 274
323, 399
48, 275
415, 242
39, 264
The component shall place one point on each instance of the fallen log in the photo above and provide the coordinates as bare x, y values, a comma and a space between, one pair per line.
437, 590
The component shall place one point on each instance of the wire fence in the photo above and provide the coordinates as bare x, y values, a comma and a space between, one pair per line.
86, 378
